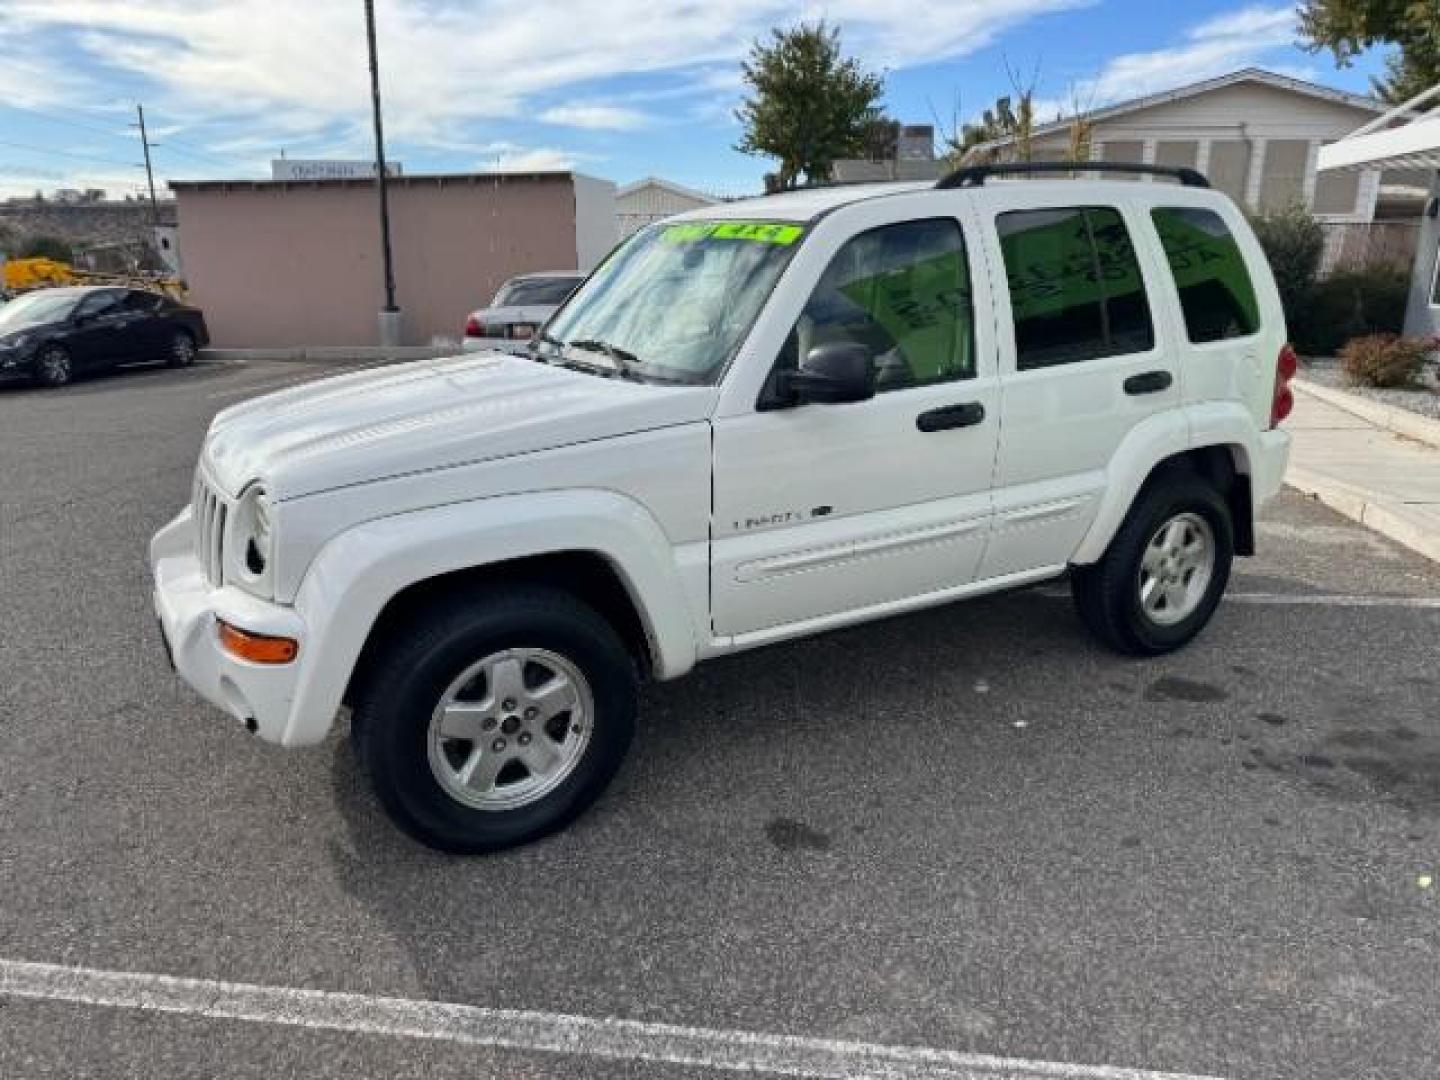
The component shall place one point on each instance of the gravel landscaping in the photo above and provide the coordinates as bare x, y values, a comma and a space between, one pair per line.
1424, 399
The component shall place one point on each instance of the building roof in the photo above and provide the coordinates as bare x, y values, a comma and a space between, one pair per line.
668, 185
860, 171
1180, 93
408, 180
1401, 139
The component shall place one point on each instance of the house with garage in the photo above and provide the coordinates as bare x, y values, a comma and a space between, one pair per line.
1257, 135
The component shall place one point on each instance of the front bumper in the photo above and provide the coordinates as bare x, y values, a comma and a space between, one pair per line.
188, 606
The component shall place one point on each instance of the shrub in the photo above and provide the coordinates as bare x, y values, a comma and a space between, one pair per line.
45, 247
1293, 242
1351, 304
1385, 360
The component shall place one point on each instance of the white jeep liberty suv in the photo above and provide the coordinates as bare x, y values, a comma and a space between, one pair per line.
752, 422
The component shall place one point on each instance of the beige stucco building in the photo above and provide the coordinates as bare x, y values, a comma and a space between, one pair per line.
1256, 135
283, 264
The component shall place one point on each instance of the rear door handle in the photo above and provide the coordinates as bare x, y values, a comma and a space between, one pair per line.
951, 416
1152, 382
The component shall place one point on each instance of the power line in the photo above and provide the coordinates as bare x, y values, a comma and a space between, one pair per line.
67, 153
53, 118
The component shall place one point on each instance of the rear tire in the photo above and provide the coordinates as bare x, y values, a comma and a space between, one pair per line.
182, 350
499, 719
1162, 577
53, 366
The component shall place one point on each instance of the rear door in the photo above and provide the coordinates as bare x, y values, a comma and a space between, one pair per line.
1220, 335
823, 510
1082, 362
146, 326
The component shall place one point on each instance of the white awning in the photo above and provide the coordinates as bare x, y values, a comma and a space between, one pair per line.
1401, 139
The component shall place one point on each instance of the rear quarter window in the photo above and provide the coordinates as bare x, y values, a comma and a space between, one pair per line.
1217, 295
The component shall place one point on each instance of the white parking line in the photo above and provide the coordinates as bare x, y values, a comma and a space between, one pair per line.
1423, 603
622, 1040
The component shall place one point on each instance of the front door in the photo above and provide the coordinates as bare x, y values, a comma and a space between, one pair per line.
100, 334
822, 510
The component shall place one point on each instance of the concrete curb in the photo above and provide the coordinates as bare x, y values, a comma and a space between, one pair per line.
331, 354
1414, 528
1390, 417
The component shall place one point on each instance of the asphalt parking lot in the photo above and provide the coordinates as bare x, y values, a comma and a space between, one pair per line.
969, 833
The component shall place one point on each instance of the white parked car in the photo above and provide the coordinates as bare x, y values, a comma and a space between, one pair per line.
752, 423
519, 309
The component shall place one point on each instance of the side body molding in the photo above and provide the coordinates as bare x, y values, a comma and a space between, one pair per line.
361, 570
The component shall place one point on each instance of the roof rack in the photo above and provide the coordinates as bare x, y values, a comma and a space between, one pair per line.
976, 175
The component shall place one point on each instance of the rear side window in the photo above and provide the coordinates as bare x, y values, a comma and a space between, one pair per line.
902, 291
1076, 292
1216, 293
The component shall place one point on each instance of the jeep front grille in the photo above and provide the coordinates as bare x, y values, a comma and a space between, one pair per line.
210, 510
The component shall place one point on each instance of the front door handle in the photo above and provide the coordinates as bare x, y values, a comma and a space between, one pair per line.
1152, 382
951, 416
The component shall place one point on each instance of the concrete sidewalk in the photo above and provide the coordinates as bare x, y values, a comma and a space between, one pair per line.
1380, 479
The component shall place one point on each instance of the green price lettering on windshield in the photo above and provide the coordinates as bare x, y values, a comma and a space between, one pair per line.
756, 232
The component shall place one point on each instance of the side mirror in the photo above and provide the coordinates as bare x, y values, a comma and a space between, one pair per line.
831, 374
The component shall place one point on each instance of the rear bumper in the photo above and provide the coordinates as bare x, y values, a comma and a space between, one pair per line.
1267, 467
258, 695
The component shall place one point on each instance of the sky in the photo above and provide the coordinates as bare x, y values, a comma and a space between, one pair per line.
620, 89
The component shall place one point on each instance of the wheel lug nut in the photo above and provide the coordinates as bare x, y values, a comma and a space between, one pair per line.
508, 705
531, 713
524, 739
498, 745
488, 723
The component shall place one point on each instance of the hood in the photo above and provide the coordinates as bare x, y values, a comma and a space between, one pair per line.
408, 418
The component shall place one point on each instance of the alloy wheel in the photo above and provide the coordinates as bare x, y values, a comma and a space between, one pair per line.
510, 729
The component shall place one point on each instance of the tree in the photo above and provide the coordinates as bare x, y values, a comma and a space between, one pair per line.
1012, 118
1349, 27
881, 138
809, 105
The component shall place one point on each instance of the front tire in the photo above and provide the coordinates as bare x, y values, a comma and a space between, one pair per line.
53, 366
497, 721
1163, 575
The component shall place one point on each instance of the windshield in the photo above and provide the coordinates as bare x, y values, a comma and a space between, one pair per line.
528, 292
36, 309
676, 301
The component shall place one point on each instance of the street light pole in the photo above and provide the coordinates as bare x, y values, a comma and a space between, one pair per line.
390, 318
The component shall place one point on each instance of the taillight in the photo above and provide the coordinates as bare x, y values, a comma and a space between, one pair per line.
1283, 399
474, 327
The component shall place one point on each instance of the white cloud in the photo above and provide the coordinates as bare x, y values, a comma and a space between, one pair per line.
596, 117
1215, 47
454, 63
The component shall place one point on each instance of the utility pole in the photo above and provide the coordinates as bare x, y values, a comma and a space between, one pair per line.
390, 318
149, 172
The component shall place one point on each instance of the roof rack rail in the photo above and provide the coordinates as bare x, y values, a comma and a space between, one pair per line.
976, 175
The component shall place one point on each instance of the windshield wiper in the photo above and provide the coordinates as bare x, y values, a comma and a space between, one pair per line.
626, 362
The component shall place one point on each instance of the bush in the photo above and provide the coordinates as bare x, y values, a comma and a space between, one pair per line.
1351, 304
1385, 360
1294, 243
45, 247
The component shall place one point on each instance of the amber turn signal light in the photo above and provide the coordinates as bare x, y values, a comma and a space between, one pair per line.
256, 648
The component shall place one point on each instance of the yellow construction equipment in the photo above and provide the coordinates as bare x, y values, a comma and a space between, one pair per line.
22, 275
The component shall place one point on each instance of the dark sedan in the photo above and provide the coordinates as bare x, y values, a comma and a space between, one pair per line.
57, 334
